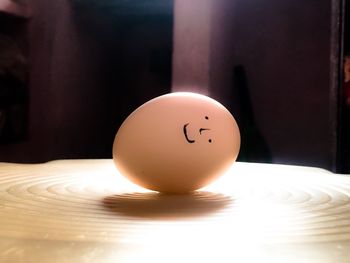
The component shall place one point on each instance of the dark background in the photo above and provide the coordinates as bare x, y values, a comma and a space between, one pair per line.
275, 64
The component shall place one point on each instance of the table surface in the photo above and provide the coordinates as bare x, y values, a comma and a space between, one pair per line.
85, 211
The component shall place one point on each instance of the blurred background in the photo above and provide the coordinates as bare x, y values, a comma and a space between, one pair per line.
72, 70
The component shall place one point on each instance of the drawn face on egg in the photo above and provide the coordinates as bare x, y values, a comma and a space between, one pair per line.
176, 143
197, 135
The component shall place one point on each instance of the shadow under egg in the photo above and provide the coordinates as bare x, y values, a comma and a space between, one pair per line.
155, 205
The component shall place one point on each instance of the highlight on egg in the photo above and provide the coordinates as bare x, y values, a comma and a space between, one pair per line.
176, 143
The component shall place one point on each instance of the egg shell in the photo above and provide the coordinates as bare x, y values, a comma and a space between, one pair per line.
176, 143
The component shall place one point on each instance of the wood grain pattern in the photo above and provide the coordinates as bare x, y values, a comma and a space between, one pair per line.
85, 211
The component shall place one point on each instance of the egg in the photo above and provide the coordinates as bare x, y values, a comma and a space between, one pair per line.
176, 143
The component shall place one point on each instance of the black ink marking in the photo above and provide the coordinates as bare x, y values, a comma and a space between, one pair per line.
209, 140
203, 129
206, 117
185, 133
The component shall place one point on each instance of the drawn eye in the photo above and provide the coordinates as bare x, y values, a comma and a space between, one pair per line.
206, 117
209, 140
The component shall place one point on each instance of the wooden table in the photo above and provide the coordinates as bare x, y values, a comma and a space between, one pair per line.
85, 211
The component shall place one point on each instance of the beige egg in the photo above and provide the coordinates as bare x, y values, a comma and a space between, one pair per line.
176, 143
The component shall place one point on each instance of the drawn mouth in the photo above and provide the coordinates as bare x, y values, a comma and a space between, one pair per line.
186, 135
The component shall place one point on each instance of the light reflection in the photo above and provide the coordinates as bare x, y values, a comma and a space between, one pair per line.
248, 231
254, 213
